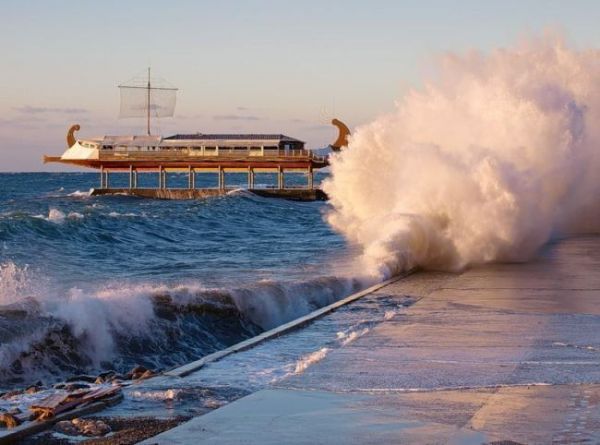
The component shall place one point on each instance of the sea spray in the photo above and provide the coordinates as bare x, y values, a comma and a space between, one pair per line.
493, 157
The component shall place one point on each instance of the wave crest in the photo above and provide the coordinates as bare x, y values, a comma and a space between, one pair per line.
44, 333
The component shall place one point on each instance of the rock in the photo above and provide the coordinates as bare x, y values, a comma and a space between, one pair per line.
33, 389
107, 374
95, 428
81, 378
9, 394
139, 369
75, 386
140, 372
146, 375
104, 377
118, 378
8, 420
67, 427
86, 427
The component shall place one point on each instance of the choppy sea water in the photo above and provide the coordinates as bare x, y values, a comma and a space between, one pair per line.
90, 283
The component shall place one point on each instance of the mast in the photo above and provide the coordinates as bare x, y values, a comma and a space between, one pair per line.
148, 101
141, 97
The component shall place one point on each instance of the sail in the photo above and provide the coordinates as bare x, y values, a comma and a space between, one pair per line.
134, 101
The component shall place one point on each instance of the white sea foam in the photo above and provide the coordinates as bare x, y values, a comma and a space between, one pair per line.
495, 155
238, 191
305, 362
167, 394
56, 215
389, 314
80, 194
346, 338
15, 284
100, 315
117, 214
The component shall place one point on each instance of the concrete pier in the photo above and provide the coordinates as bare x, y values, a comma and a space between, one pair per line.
507, 353
299, 194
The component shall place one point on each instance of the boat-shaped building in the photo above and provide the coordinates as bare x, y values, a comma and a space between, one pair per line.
194, 153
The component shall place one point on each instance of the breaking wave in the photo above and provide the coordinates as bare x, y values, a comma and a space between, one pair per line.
44, 335
496, 155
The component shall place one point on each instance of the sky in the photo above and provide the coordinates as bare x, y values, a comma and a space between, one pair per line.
240, 66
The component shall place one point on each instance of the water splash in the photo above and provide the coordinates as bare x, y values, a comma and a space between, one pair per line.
494, 156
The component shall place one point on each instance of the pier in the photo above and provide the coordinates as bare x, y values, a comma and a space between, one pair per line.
292, 194
505, 353
193, 153
155, 157
301, 163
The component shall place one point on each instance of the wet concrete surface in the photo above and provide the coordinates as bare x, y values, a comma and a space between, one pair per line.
506, 352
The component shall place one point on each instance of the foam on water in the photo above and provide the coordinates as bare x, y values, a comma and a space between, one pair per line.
310, 359
118, 325
108, 282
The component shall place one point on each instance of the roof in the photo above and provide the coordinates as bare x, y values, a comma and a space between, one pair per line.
233, 137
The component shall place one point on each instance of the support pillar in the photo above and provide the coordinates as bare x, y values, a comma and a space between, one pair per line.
101, 176
131, 184
135, 178
311, 178
190, 177
280, 178
250, 178
106, 180
221, 178
160, 177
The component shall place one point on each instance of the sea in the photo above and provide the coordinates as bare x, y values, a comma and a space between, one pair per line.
106, 283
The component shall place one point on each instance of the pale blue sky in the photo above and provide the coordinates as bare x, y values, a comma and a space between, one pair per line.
241, 66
